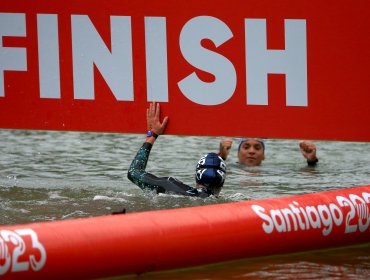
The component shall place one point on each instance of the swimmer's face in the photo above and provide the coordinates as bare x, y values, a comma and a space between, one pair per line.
251, 153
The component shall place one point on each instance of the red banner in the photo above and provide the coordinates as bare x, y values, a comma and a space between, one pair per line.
278, 69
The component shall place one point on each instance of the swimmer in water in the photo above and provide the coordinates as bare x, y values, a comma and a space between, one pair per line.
210, 170
251, 151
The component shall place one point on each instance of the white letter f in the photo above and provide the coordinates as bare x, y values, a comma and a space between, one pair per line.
11, 58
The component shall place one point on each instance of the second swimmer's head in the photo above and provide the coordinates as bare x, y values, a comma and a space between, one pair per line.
251, 151
211, 173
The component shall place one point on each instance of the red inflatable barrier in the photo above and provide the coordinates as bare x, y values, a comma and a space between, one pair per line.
160, 240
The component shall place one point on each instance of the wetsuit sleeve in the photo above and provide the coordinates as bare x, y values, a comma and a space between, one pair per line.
312, 163
136, 172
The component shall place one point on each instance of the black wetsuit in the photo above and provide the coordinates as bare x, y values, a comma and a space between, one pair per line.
312, 163
145, 180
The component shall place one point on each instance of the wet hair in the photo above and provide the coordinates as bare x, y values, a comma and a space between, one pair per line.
210, 172
242, 140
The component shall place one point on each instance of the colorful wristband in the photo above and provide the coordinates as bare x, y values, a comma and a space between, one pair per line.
151, 133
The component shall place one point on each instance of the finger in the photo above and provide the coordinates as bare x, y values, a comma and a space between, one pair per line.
164, 124
165, 121
157, 111
152, 107
305, 146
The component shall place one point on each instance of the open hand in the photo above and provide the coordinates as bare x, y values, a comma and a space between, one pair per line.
153, 119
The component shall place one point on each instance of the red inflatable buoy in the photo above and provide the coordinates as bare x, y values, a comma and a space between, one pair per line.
166, 239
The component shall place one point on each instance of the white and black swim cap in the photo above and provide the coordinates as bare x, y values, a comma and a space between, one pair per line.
211, 171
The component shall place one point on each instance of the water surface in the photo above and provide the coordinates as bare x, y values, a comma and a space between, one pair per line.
49, 175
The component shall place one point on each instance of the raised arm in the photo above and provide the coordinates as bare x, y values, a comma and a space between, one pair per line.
308, 150
136, 172
225, 147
